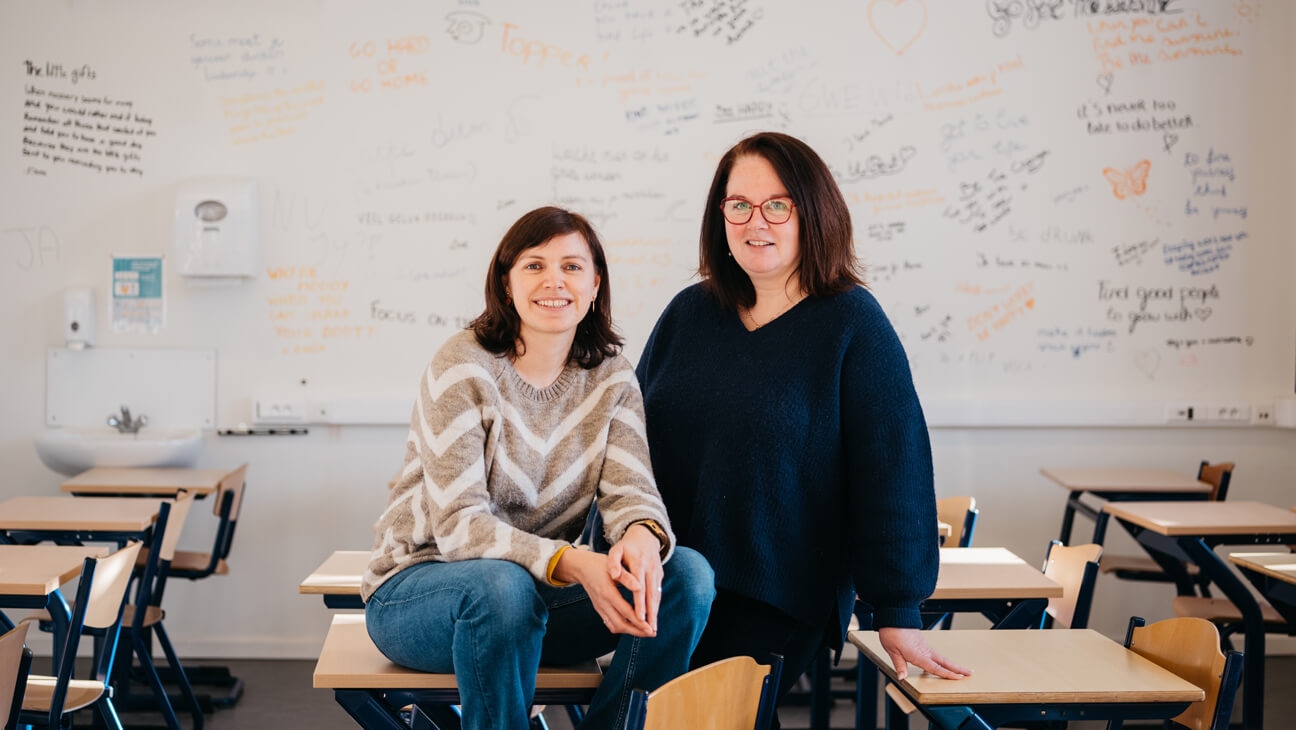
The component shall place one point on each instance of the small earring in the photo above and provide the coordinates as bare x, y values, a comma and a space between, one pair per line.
729, 254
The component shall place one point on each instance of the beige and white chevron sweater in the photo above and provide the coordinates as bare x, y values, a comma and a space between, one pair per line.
496, 468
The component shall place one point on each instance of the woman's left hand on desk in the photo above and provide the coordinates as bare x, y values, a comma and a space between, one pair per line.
907, 646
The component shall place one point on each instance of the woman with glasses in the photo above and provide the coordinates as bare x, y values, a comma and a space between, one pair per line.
519, 422
786, 437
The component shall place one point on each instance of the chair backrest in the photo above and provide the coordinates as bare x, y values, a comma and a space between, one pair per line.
101, 593
174, 525
15, 661
731, 694
1218, 476
229, 500
1076, 570
108, 588
960, 513
231, 488
1190, 647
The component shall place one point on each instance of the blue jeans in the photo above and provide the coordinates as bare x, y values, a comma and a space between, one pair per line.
492, 624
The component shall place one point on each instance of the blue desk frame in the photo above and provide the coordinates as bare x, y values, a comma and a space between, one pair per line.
1200, 549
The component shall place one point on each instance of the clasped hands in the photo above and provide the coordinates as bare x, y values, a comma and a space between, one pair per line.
634, 563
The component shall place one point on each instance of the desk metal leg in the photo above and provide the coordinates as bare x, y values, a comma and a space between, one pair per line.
1253, 662
1100, 528
1068, 519
369, 711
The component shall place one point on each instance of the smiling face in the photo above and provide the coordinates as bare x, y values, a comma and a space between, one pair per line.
769, 254
553, 285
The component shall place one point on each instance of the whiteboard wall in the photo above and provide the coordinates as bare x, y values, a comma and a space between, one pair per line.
1058, 201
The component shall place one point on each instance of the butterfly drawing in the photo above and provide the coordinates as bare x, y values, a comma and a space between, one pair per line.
1128, 182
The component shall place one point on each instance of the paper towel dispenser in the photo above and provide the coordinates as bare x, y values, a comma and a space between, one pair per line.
216, 228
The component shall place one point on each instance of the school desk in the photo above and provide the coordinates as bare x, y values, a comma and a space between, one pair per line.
106, 481
1035, 675
1119, 485
991, 581
70, 520
373, 690
337, 579
30, 576
994, 582
1274, 575
1191, 531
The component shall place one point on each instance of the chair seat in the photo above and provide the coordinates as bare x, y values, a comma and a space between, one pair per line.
900, 699
40, 691
152, 615
186, 562
1221, 610
1137, 564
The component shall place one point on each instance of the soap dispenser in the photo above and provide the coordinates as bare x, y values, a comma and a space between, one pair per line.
79, 318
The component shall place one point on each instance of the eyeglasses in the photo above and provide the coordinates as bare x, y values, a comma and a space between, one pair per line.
739, 210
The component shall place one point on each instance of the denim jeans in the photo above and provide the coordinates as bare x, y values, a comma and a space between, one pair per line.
492, 624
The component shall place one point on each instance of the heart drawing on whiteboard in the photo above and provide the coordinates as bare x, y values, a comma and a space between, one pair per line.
898, 23
1203, 313
1147, 361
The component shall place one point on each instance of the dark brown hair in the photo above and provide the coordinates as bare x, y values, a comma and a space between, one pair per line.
498, 328
827, 253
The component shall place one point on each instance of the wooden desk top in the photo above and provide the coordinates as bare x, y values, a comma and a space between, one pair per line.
37, 570
106, 514
1016, 667
990, 572
350, 660
133, 481
339, 575
1206, 518
1125, 480
1277, 565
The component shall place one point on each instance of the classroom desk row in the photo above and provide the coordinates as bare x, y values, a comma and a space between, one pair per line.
1012, 594
125, 506
1169, 515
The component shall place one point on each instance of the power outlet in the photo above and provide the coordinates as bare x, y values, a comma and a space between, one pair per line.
1262, 414
279, 410
1229, 413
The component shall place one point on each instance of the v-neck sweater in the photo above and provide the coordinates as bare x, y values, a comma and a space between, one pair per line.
795, 457
498, 468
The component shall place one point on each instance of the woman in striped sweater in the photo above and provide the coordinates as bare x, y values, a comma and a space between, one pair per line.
520, 422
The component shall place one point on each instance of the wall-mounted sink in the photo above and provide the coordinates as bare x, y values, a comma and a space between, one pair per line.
73, 449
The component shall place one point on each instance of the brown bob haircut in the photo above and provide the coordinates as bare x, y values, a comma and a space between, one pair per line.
498, 328
828, 264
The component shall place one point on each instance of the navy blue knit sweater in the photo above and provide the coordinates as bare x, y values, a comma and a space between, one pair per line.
795, 457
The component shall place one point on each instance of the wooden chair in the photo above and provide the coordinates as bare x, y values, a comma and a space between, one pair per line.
1189, 647
375, 691
193, 565
15, 664
146, 613
731, 694
196, 565
1076, 570
961, 514
1144, 568
97, 610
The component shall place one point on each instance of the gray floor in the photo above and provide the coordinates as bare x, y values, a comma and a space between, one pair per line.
279, 695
